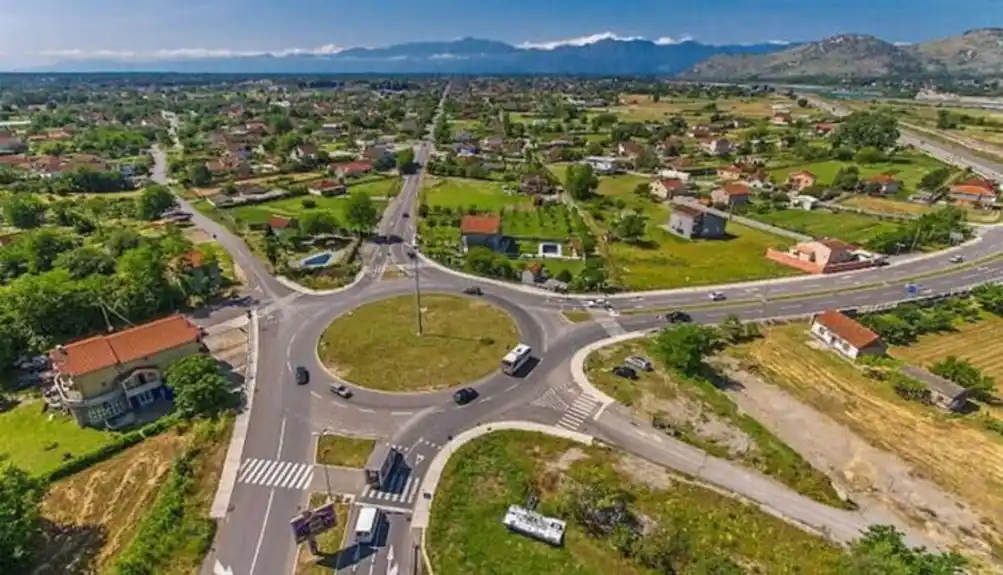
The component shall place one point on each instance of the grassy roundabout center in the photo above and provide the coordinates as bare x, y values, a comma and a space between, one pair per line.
376, 346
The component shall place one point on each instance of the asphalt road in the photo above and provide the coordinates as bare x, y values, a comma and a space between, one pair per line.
276, 473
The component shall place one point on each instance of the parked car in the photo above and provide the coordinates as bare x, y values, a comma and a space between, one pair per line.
716, 296
639, 363
302, 375
473, 290
341, 389
465, 395
957, 259
624, 372
405, 215
678, 317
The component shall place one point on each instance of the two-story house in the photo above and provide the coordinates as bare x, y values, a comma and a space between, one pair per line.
104, 380
482, 230
732, 194
692, 223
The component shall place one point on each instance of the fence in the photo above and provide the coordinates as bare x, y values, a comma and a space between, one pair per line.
749, 222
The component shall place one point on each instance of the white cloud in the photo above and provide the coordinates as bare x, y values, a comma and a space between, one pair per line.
903, 43
580, 41
668, 41
185, 53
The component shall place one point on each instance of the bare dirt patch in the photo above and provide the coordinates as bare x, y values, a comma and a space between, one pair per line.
197, 236
566, 460
645, 472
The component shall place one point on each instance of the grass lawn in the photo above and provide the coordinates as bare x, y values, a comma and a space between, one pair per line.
705, 417
37, 442
330, 543
886, 205
343, 451
909, 167
466, 193
577, 316
92, 516
943, 447
376, 345
484, 477
675, 262
850, 227
293, 207
378, 186
546, 222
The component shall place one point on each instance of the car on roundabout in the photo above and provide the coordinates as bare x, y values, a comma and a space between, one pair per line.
464, 396
957, 259
341, 390
473, 290
302, 375
716, 296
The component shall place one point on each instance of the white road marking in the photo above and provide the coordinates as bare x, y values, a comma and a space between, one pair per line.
401, 413
282, 437
315, 394
367, 411
261, 535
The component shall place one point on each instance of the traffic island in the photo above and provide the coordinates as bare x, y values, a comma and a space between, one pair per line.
377, 345
342, 451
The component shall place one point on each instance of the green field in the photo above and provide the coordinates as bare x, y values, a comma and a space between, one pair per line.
909, 167
550, 222
670, 262
484, 477
850, 227
39, 442
293, 207
343, 451
465, 194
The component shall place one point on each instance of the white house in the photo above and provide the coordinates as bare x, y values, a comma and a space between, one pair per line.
845, 335
674, 175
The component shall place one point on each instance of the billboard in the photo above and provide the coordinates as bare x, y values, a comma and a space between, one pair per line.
313, 522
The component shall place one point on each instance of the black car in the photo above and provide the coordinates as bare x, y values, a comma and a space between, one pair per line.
678, 317
302, 376
473, 290
465, 395
405, 215
624, 372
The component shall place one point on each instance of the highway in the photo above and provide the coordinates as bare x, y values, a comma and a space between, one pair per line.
277, 470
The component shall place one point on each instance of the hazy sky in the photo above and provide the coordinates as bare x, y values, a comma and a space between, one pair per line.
37, 31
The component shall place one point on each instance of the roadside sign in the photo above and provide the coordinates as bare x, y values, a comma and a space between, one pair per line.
311, 523
911, 289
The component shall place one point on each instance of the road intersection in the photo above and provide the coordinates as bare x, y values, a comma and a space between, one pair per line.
276, 470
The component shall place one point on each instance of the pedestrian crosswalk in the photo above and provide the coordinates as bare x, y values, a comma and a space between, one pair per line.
578, 412
551, 400
607, 321
271, 473
401, 488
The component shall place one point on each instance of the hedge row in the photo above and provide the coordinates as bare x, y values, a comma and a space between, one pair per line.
124, 442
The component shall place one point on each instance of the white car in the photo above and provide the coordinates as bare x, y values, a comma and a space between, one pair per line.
956, 259
716, 296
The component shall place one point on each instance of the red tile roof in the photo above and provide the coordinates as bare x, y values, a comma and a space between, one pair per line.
687, 211
972, 189
736, 189
672, 184
104, 351
195, 258
355, 167
883, 179
983, 183
834, 244
803, 173
846, 328
278, 222
480, 225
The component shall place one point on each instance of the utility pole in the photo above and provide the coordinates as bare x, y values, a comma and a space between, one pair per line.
417, 290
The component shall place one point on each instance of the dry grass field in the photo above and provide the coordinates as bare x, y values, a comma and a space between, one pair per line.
954, 452
637, 107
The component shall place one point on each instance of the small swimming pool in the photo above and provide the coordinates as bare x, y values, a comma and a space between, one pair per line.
317, 260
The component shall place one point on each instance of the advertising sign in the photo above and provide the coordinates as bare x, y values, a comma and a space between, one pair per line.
313, 522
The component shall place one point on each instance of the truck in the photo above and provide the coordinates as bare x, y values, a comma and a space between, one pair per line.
380, 465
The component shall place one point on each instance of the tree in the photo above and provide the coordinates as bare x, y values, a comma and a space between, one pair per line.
153, 202
315, 222
847, 178
685, 346
20, 518
361, 213
580, 181
200, 389
198, 175
486, 262
882, 551
990, 298
631, 227
592, 277
934, 179
405, 161
23, 211
966, 375
869, 155
867, 130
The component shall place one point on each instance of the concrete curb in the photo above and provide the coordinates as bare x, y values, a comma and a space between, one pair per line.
423, 507
235, 451
578, 367
307, 291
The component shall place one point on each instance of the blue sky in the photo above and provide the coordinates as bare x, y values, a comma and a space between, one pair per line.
36, 31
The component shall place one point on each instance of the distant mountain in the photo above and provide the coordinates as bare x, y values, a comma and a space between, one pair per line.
973, 53
465, 56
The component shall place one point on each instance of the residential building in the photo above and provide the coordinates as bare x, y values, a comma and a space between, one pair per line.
733, 172
327, 188
845, 335
944, 393
824, 256
629, 149
691, 223
887, 185
199, 271
759, 179
105, 380
303, 152
806, 203
781, 119
667, 188
974, 191
675, 174
10, 144
481, 230
824, 129
732, 194
716, 146
280, 223
801, 180
352, 169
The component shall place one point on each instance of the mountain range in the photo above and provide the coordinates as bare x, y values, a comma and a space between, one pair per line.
973, 53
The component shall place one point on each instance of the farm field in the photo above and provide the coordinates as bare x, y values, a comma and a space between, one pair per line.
908, 167
546, 222
980, 343
886, 205
641, 108
37, 441
484, 477
941, 446
850, 227
293, 207
672, 262
462, 193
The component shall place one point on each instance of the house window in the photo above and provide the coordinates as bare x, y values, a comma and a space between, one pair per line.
145, 398
104, 411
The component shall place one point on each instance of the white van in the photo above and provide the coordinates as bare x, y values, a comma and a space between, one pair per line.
367, 524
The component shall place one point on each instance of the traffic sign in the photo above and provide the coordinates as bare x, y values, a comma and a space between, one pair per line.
311, 523
911, 289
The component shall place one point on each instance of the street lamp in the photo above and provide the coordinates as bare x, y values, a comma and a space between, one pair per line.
327, 478
412, 253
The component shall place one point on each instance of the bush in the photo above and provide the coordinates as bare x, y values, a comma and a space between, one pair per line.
308, 203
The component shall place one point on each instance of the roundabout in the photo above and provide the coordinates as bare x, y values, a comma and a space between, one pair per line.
376, 346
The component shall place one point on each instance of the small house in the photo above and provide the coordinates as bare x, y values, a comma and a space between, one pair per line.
630, 150
327, 188
481, 230
974, 191
668, 188
716, 146
886, 184
781, 119
692, 223
801, 180
353, 169
944, 393
845, 335
280, 223
732, 194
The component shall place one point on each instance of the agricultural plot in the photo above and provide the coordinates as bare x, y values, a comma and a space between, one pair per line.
294, 207
908, 167
641, 108
942, 447
464, 194
979, 343
850, 227
550, 222
886, 205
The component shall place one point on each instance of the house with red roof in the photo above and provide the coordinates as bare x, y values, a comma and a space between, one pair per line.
732, 194
668, 188
886, 184
482, 231
801, 180
977, 191
845, 335
104, 381
353, 169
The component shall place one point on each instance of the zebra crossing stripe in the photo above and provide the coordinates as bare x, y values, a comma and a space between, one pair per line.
286, 474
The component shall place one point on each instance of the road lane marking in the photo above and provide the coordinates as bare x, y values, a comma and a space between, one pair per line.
261, 535
282, 437
367, 411
315, 394
401, 413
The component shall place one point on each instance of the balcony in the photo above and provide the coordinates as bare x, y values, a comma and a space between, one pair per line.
141, 382
72, 398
